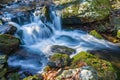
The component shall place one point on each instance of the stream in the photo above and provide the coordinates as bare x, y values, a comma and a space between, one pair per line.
38, 35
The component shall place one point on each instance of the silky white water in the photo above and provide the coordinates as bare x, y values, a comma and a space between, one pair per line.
39, 35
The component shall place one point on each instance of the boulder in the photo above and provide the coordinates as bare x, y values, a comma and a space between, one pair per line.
8, 43
59, 60
7, 29
78, 11
62, 49
101, 66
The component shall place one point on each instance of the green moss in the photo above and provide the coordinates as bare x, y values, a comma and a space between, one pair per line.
96, 34
87, 11
99, 64
104, 68
31, 78
35, 77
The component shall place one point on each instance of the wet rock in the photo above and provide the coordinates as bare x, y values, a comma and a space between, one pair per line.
96, 34
84, 10
59, 60
7, 29
8, 43
62, 50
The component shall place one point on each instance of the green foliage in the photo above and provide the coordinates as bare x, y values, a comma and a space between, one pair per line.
96, 34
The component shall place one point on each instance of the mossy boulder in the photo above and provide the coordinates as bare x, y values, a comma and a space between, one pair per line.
8, 43
95, 34
59, 60
104, 68
62, 49
84, 10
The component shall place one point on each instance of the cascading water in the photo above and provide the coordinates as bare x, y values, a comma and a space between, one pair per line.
39, 35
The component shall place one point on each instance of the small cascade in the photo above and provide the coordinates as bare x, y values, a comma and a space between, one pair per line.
38, 35
38, 29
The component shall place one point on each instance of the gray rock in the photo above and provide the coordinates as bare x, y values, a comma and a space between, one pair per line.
62, 49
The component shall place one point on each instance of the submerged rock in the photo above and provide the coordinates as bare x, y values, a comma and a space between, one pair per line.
8, 43
59, 60
62, 49
84, 10
8, 29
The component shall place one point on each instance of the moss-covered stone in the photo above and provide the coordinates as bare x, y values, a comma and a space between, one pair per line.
118, 34
102, 66
85, 10
96, 34
8, 43
60, 60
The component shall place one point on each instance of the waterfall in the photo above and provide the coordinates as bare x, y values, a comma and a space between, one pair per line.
38, 29
39, 35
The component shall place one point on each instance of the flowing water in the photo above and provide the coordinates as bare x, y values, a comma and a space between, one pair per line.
38, 35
